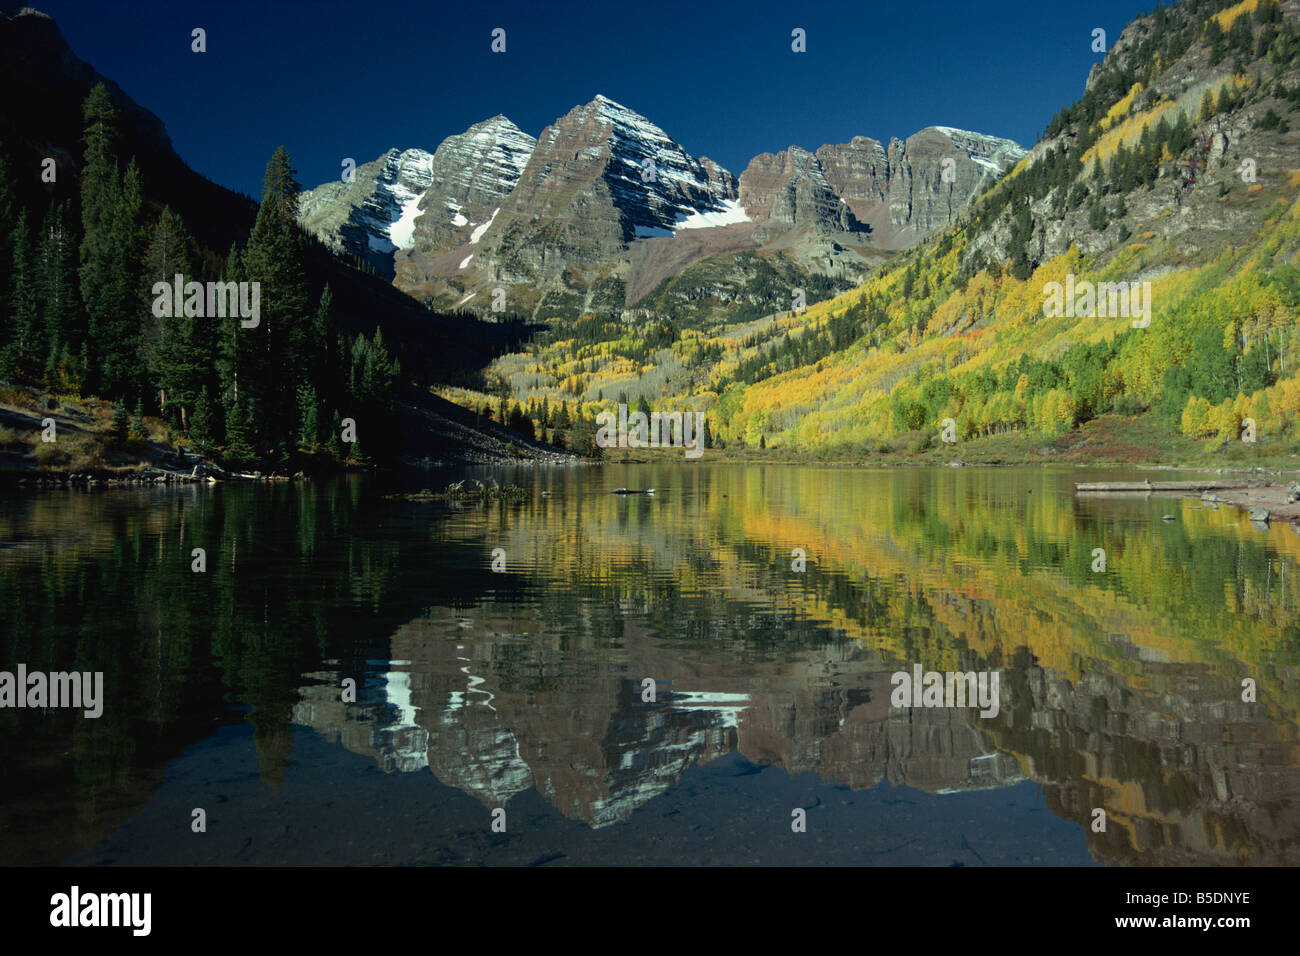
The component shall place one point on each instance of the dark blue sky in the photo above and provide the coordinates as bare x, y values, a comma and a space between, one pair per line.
333, 79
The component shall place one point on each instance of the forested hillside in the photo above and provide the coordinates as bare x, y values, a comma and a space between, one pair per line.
1177, 168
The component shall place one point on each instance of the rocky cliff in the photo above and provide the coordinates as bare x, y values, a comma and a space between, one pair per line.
415, 200
604, 206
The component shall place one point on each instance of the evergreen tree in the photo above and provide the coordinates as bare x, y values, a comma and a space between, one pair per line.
278, 349
308, 416
1097, 216
1207, 106
240, 445
584, 438
120, 429
99, 201
23, 356
1217, 41
57, 284
371, 395
335, 440
138, 430
121, 342
231, 352
8, 222
178, 348
203, 426
320, 366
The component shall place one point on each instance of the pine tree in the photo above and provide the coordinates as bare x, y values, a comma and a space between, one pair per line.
320, 365
138, 430
240, 446
8, 221
1207, 106
99, 201
23, 356
232, 350
584, 438
178, 348
335, 441
120, 428
280, 344
120, 345
57, 281
308, 416
203, 426
1217, 41
1097, 216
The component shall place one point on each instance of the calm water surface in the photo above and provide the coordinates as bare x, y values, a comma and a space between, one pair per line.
522, 689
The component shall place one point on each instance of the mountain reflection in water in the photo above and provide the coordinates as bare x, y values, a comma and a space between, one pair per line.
1119, 690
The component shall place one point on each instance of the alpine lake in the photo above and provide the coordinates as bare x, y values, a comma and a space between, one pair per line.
581, 677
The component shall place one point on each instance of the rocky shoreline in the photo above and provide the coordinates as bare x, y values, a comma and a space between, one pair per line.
173, 468
1264, 503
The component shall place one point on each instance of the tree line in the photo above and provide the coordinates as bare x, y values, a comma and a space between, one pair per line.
77, 298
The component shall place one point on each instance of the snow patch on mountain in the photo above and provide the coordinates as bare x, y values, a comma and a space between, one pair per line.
655, 182
457, 218
992, 152
401, 231
477, 234
731, 212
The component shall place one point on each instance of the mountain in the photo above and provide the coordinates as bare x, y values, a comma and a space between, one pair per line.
389, 206
598, 175
605, 206
45, 86
1174, 173
596, 179
899, 195
41, 116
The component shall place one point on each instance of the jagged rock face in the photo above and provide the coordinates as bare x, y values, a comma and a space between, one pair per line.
899, 194
373, 215
391, 207
791, 189
589, 186
474, 172
858, 172
604, 205
920, 201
